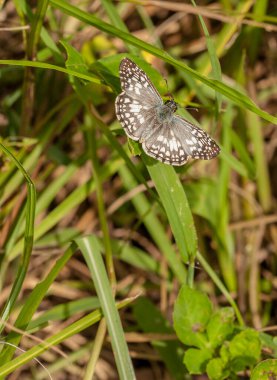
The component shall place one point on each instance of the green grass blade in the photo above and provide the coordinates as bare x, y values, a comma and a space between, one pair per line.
262, 174
32, 304
42, 65
176, 205
66, 333
232, 94
90, 249
117, 21
216, 69
220, 286
74, 199
154, 226
28, 238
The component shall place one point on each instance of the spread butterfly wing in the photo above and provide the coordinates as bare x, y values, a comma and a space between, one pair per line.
175, 142
195, 142
132, 115
164, 145
145, 118
135, 83
133, 106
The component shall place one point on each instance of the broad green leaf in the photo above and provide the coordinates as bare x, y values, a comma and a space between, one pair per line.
266, 370
220, 326
196, 360
192, 312
216, 370
245, 350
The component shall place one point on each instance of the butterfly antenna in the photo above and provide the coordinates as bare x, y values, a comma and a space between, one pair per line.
191, 108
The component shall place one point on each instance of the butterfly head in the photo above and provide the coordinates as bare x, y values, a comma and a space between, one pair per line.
172, 105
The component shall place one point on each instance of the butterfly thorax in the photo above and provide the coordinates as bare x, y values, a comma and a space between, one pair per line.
165, 112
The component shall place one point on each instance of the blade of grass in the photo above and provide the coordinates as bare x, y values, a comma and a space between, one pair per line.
216, 69
234, 95
35, 351
262, 174
91, 252
154, 226
117, 21
27, 242
91, 138
32, 303
66, 333
42, 65
176, 205
225, 251
73, 200
220, 286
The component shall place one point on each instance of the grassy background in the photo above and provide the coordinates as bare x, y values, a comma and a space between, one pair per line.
73, 194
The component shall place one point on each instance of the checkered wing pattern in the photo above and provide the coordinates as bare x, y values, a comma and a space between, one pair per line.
145, 118
176, 141
134, 106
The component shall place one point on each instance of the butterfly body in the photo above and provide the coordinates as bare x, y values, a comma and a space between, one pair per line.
146, 118
165, 113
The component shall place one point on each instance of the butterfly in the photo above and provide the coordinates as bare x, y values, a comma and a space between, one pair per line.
165, 136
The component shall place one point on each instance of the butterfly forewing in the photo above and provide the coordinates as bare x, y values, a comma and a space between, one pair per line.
132, 115
136, 83
145, 118
134, 106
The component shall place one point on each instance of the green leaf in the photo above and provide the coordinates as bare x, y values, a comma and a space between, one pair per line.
191, 315
224, 352
245, 350
65, 310
154, 227
220, 326
175, 203
75, 60
196, 360
216, 370
269, 342
266, 370
203, 199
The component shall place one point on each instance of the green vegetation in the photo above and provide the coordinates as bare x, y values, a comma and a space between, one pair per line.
114, 265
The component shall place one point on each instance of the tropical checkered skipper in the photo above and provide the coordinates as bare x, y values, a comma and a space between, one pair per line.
147, 119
